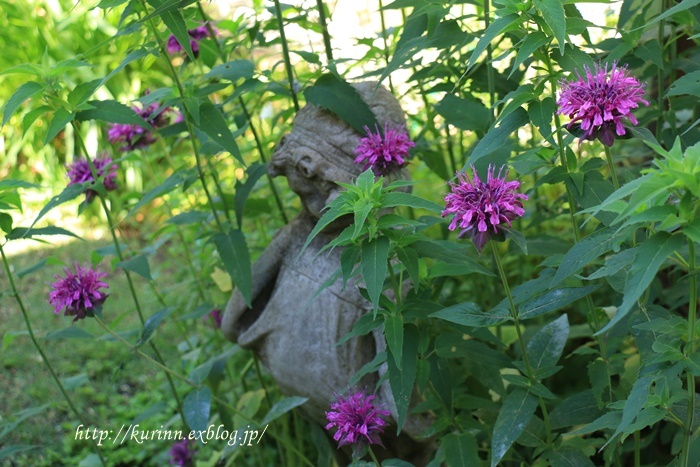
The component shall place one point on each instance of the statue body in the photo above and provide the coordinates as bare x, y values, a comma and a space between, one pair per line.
296, 320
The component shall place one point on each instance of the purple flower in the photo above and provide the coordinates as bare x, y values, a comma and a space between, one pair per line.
134, 136
78, 293
215, 315
196, 35
601, 101
384, 154
181, 454
480, 208
79, 172
358, 420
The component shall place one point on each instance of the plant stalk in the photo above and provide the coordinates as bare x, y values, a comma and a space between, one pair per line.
285, 54
692, 318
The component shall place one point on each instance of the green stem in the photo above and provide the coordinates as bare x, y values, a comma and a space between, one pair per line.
611, 167
20, 303
396, 286
692, 318
637, 453
324, 30
660, 77
489, 67
572, 211
285, 54
190, 131
120, 255
521, 340
256, 137
386, 43
373, 456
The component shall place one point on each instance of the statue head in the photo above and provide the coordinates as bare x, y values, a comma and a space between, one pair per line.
320, 149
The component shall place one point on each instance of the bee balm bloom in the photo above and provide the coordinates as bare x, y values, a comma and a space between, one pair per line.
384, 154
481, 208
196, 35
78, 293
79, 172
358, 420
601, 101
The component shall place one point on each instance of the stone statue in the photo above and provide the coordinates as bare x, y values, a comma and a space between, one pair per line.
294, 333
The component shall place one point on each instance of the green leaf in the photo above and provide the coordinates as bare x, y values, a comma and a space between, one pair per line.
337, 96
682, 6
692, 230
585, 251
410, 261
214, 125
21, 416
575, 410
10, 184
189, 217
615, 263
196, 408
68, 193
393, 330
656, 187
174, 22
367, 323
608, 420
73, 382
541, 113
552, 301
517, 410
9, 337
5, 222
633, 405
83, 92
9, 451
455, 345
24, 232
282, 407
24, 92
533, 41
137, 264
151, 324
233, 70
243, 190
113, 112
135, 55
401, 381
518, 238
397, 198
170, 183
70, 332
233, 251
367, 368
374, 256
465, 114
469, 314
568, 457
494, 29
649, 258
61, 118
460, 449
545, 347
553, 14
497, 136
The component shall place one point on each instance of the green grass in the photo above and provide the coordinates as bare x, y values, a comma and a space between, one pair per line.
119, 384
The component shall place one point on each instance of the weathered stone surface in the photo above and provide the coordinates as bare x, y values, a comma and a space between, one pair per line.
292, 326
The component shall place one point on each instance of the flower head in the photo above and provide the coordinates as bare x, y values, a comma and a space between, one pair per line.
134, 136
358, 420
386, 153
601, 101
79, 172
215, 315
181, 453
78, 293
480, 208
196, 35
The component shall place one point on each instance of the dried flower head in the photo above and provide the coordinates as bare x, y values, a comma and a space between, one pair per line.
480, 208
134, 136
78, 293
600, 101
79, 172
358, 420
181, 454
385, 154
196, 35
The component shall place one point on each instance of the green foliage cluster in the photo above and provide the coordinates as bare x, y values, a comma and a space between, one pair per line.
590, 358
